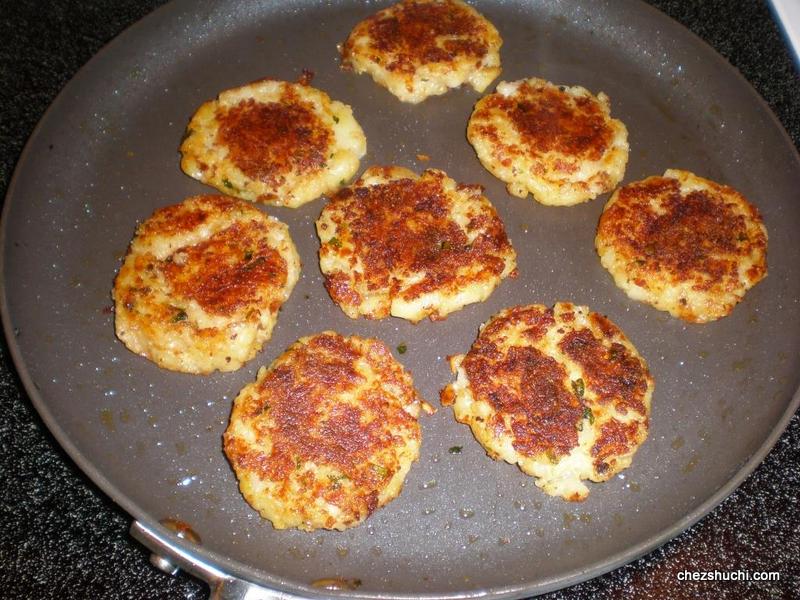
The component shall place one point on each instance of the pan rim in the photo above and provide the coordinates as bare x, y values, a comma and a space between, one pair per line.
232, 566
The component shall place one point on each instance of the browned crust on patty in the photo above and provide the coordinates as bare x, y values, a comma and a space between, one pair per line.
526, 386
405, 226
614, 374
616, 439
696, 239
296, 410
408, 35
559, 391
273, 141
422, 48
549, 120
202, 284
534, 389
558, 143
290, 399
224, 273
227, 271
268, 140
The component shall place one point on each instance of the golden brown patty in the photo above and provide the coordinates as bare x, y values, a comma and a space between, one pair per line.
326, 434
411, 246
559, 391
202, 284
275, 142
422, 48
683, 244
558, 143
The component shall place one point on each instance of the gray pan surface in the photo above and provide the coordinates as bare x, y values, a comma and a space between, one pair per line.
104, 157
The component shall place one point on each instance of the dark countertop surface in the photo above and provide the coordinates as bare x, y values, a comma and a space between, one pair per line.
61, 537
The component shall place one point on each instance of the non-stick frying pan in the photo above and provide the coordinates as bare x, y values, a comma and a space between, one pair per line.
465, 526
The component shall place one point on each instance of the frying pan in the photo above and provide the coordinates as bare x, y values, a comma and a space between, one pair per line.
465, 525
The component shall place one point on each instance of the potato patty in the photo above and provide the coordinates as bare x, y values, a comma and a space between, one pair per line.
326, 434
422, 48
683, 244
559, 391
558, 143
275, 142
411, 246
202, 284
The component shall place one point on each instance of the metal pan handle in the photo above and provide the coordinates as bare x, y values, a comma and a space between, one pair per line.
170, 558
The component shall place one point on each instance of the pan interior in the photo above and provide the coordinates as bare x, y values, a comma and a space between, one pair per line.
105, 157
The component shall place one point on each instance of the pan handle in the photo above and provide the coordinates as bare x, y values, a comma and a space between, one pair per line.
170, 558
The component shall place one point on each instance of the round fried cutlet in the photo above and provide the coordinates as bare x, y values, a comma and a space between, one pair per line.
275, 142
202, 284
422, 48
558, 143
326, 434
683, 244
411, 246
560, 392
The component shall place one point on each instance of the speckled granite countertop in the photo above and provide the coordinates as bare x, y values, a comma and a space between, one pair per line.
63, 538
